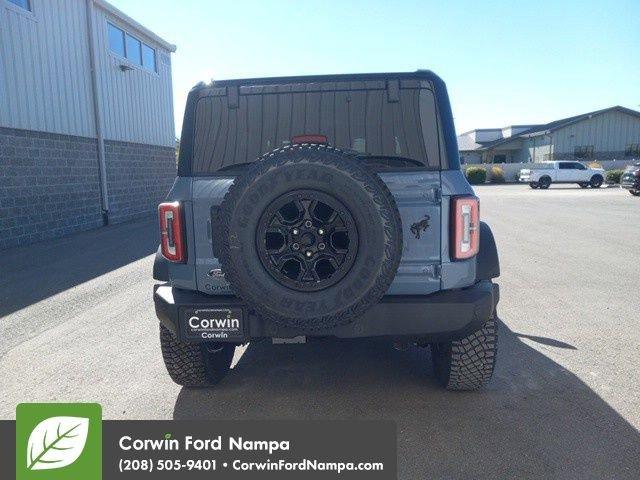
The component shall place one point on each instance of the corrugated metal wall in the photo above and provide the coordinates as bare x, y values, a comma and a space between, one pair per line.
608, 132
137, 105
45, 82
44, 59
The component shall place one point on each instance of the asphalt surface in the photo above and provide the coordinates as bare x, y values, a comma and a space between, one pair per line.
77, 324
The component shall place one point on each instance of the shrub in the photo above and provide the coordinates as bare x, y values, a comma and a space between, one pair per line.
497, 175
594, 165
613, 176
476, 175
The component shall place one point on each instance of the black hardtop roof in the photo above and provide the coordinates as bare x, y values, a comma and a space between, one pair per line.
342, 77
439, 90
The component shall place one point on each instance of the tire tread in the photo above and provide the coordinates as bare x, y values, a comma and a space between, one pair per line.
187, 363
471, 360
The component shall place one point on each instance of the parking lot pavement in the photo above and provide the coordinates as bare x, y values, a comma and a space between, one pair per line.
78, 325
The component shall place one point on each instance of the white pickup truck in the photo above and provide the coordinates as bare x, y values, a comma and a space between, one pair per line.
547, 173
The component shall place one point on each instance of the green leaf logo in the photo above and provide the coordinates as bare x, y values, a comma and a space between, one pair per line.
56, 442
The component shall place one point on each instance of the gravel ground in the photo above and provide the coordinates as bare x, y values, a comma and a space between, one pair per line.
77, 324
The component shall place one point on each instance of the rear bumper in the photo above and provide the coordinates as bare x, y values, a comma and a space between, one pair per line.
444, 315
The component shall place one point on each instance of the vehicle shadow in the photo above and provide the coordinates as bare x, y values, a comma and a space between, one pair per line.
552, 342
534, 420
35, 272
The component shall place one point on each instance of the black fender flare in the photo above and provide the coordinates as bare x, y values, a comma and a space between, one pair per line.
160, 267
487, 262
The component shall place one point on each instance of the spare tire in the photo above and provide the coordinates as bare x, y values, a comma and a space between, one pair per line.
310, 238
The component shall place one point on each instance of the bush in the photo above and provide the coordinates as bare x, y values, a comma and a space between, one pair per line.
497, 175
613, 176
476, 175
594, 165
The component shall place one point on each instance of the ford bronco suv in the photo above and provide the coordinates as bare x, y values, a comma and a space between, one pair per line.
324, 206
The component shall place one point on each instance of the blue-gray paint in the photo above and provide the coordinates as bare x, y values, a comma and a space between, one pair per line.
417, 194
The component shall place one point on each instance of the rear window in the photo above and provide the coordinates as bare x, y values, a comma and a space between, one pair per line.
236, 124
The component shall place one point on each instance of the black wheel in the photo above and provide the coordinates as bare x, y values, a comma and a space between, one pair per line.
309, 237
468, 363
583, 184
596, 181
307, 240
544, 182
195, 364
533, 185
635, 193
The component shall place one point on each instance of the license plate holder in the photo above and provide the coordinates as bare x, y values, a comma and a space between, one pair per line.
212, 324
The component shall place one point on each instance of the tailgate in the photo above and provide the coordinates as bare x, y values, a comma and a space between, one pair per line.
417, 195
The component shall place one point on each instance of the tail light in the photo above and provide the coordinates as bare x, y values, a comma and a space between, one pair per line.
172, 232
465, 224
637, 173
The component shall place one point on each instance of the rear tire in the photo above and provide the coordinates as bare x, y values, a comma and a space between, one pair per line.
468, 363
195, 364
596, 181
533, 185
544, 183
635, 193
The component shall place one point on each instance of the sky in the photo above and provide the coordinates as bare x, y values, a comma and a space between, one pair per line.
505, 61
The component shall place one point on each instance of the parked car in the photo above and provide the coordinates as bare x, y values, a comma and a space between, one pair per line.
630, 179
562, 172
302, 211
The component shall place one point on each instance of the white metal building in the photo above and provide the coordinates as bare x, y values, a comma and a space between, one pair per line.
86, 111
609, 134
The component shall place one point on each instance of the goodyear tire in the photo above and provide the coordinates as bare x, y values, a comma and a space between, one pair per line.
468, 363
310, 238
195, 364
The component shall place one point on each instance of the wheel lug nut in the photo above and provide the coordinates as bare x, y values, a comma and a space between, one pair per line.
321, 231
295, 246
295, 231
308, 253
308, 224
321, 246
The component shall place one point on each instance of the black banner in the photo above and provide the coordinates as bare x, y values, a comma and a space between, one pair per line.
150, 449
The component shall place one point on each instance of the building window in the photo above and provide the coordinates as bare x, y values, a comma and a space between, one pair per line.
116, 40
129, 47
632, 150
26, 4
583, 151
501, 158
134, 50
148, 57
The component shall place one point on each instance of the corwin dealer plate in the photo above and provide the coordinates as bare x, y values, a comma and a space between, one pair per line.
223, 324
